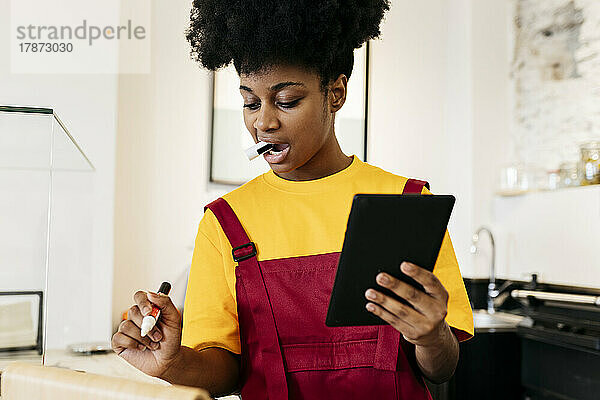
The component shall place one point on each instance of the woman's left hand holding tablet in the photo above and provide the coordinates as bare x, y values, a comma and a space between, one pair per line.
423, 325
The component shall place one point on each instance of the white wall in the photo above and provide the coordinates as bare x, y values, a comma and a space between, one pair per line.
491, 116
442, 108
420, 103
87, 104
552, 233
161, 162
548, 233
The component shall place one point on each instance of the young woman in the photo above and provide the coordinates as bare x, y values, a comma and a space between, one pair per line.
266, 253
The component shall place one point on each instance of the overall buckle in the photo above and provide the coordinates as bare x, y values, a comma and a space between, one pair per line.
245, 256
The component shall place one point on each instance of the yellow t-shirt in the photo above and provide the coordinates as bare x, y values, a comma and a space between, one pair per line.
290, 219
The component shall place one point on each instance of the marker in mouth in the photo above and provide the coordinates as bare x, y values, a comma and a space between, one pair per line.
278, 153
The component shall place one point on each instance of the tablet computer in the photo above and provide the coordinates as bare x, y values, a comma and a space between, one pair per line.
384, 230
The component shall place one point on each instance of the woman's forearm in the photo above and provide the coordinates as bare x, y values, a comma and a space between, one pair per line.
438, 361
213, 369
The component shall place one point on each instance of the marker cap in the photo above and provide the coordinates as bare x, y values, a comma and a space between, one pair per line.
164, 288
258, 149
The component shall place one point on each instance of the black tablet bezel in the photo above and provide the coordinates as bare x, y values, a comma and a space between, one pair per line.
365, 206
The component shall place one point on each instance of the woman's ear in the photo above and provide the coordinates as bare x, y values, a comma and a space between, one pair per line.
337, 93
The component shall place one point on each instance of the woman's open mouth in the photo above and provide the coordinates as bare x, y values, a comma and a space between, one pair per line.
277, 154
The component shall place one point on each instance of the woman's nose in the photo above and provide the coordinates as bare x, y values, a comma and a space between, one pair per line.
266, 119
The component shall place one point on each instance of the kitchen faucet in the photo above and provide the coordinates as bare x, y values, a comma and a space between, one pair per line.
492, 291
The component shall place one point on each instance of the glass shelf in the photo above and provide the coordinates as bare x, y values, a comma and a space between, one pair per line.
518, 193
46, 189
36, 139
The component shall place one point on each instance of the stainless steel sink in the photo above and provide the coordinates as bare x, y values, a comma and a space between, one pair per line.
496, 322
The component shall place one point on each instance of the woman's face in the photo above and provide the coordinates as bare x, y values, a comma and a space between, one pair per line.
285, 105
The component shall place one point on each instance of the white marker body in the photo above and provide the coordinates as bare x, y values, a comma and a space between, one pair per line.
147, 324
252, 152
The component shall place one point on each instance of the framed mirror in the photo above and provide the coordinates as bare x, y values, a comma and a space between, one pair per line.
21, 320
229, 136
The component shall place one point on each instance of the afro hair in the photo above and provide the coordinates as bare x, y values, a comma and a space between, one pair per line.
318, 35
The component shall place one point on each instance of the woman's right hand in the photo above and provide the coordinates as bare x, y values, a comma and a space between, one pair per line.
155, 352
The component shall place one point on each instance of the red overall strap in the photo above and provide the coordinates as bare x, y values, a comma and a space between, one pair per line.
244, 252
388, 344
415, 186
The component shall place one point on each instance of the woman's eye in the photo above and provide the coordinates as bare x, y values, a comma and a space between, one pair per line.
252, 106
289, 104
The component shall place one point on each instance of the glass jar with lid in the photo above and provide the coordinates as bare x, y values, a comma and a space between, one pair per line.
590, 163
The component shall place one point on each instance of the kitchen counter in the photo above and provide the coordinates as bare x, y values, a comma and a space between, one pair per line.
485, 322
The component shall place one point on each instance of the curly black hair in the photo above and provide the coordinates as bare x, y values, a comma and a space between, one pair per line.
319, 35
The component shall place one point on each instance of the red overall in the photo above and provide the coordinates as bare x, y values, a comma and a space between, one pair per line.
288, 352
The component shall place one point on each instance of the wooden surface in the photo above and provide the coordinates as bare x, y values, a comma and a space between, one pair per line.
108, 364
24, 381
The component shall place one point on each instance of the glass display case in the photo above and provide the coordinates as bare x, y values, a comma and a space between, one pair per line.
46, 189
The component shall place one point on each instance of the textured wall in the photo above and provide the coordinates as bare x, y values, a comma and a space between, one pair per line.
556, 76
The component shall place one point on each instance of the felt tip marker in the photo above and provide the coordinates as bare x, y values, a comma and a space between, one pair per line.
150, 320
258, 149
